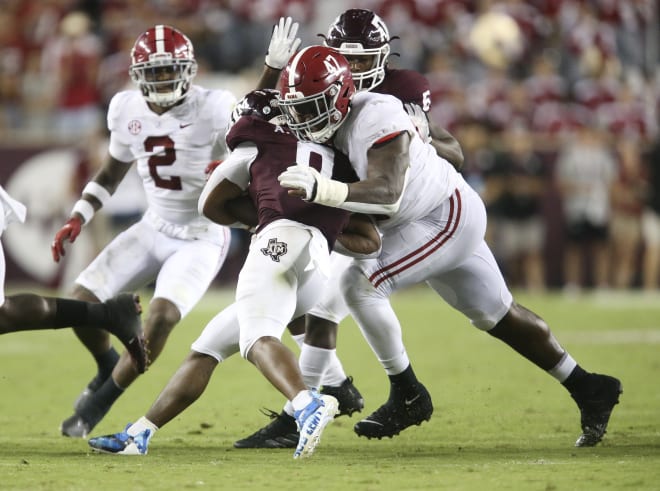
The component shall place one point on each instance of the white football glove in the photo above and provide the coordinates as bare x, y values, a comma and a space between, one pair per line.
283, 43
420, 120
318, 188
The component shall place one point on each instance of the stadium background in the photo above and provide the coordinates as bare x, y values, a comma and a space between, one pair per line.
581, 64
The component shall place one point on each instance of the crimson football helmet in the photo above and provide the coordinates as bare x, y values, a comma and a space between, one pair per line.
262, 103
361, 34
315, 89
163, 65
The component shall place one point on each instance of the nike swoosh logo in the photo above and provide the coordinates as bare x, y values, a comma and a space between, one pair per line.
408, 402
182, 125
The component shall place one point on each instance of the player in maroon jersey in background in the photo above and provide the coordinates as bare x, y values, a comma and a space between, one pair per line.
282, 277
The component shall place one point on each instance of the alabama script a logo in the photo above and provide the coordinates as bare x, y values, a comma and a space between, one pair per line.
275, 249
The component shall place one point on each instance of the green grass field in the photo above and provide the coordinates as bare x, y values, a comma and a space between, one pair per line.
499, 423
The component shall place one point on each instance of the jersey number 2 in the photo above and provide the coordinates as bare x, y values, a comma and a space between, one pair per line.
164, 158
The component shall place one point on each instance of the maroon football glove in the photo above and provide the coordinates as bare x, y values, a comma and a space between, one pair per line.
70, 231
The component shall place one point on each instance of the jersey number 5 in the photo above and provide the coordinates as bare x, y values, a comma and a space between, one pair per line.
166, 157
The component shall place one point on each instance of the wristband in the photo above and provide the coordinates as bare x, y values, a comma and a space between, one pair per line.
329, 192
85, 209
99, 192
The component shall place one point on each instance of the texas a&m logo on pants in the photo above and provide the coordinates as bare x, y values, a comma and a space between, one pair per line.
275, 249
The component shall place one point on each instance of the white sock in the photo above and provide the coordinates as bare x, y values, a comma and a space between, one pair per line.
299, 339
301, 400
140, 425
334, 375
563, 369
288, 408
313, 363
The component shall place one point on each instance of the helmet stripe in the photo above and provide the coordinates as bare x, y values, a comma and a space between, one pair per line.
293, 68
160, 39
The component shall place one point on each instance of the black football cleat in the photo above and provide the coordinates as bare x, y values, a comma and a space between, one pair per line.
596, 405
396, 415
281, 432
350, 399
125, 322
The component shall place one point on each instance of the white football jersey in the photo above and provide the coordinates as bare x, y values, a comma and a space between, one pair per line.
172, 149
431, 179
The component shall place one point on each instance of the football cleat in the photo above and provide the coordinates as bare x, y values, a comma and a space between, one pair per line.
281, 432
349, 398
122, 443
75, 427
124, 312
84, 419
396, 415
596, 405
311, 421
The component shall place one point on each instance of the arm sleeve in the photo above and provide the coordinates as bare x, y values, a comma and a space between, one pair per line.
236, 168
118, 147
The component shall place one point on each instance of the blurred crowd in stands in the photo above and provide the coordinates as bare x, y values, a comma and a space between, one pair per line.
562, 142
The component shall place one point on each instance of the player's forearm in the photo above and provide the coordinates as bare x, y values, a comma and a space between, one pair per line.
360, 238
269, 78
447, 146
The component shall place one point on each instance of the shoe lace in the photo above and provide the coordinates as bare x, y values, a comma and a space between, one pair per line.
269, 412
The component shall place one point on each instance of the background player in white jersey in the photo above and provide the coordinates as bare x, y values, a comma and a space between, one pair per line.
433, 227
284, 273
119, 315
172, 129
364, 39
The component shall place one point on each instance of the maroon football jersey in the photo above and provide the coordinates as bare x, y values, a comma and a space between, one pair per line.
278, 149
405, 85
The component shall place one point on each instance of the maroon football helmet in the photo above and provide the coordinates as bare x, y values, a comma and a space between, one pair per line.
315, 89
361, 34
163, 65
262, 103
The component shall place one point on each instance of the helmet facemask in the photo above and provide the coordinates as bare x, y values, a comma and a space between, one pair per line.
372, 76
163, 80
313, 118
360, 33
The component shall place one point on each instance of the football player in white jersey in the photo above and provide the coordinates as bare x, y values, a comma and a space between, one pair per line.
172, 129
120, 315
433, 228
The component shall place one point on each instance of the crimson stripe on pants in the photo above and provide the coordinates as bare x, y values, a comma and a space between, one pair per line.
420, 253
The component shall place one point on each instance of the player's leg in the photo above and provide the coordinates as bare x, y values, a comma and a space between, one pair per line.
187, 266
318, 362
285, 269
218, 341
410, 254
478, 290
125, 264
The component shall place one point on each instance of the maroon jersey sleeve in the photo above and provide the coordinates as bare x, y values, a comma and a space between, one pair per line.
405, 85
278, 149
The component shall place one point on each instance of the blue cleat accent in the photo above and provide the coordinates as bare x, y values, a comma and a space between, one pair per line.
312, 420
122, 443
